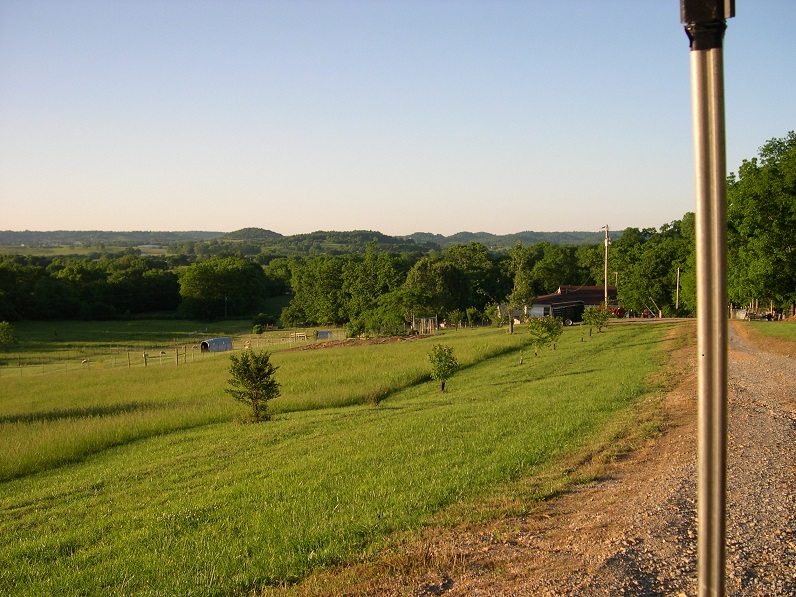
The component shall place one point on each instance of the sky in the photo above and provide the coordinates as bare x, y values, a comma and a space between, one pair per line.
396, 116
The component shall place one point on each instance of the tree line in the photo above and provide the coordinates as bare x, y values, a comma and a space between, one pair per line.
377, 286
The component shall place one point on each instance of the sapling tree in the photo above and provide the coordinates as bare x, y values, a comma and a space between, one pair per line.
545, 331
443, 364
596, 317
253, 382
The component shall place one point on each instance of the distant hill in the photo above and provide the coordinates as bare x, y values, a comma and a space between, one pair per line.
354, 241
251, 234
253, 241
504, 241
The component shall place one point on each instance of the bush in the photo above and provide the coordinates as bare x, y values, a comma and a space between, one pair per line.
263, 320
8, 334
253, 382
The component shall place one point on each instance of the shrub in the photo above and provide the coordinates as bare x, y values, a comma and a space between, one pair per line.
8, 334
263, 320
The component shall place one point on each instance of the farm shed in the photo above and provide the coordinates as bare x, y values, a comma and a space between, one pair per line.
569, 302
216, 344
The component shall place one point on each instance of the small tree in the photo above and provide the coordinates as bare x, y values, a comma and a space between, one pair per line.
492, 313
455, 317
472, 316
8, 334
253, 382
443, 364
545, 331
596, 317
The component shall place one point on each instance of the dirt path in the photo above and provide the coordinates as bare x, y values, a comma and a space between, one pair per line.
634, 531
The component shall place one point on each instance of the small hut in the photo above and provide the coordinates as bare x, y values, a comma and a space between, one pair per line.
216, 344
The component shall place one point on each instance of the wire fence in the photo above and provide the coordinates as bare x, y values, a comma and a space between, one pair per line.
116, 356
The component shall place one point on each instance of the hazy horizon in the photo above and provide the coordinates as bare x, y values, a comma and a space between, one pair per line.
355, 115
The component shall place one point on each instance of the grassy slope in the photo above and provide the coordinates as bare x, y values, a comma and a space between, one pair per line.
220, 508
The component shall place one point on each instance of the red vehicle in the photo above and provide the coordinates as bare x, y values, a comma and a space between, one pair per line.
617, 311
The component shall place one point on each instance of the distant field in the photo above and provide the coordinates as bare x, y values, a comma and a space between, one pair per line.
58, 250
139, 482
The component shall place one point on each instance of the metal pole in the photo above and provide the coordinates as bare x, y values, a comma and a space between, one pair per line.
705, 25
605, 278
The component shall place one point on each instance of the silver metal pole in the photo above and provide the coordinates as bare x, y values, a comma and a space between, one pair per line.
711, 322
705, 25
605, 277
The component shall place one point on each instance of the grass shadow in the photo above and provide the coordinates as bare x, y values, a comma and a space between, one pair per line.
80, 413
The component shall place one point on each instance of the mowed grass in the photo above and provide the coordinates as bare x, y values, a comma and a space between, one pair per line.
205, 506
50, 419
776, 329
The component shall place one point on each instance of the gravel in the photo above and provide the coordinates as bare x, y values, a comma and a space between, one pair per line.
660, 556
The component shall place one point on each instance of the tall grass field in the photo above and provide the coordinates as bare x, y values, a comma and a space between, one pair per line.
139, 481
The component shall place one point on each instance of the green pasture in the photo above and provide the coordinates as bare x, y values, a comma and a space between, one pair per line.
140, 482
776, 329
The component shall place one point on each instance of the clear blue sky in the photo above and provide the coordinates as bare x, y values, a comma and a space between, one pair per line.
397, 116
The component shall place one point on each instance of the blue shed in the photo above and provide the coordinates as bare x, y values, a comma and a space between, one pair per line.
217, 345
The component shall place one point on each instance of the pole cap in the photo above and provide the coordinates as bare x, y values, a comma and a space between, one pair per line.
705, 21
703, 11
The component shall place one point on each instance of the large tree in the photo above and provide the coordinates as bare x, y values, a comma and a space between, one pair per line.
646, 263
761, 217
221, 286
479, 273
318, 291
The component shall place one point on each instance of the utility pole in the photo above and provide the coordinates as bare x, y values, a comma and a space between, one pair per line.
605, 278
705, 23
